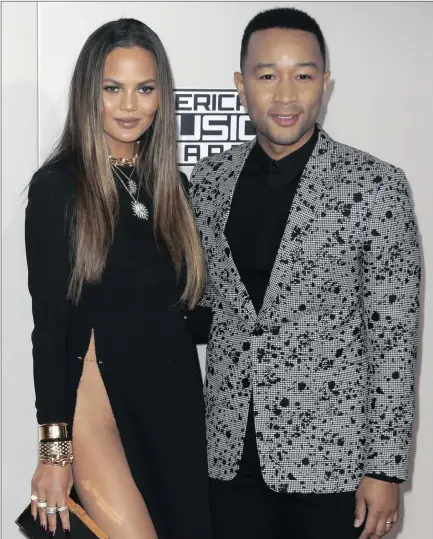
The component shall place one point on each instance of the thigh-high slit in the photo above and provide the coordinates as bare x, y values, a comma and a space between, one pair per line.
102, 478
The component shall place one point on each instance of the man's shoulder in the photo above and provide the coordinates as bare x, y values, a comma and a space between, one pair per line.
214, 162
362, 161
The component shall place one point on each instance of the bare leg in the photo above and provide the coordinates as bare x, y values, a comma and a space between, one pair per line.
102, 477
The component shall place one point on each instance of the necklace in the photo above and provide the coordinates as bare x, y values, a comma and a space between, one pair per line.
132, 186
138, 208
124, 161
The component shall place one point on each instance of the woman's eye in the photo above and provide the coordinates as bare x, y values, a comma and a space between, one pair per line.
111, 88
146, 89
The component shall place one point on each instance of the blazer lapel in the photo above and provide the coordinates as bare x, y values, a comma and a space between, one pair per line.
225, 268
304, 211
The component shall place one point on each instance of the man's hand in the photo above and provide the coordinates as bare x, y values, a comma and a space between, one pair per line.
379, 501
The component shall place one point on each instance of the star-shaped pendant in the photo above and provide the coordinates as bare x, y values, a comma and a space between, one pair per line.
139, 210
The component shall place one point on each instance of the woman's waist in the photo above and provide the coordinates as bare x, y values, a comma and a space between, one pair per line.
135, 290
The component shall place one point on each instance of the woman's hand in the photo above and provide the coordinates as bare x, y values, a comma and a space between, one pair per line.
52, 484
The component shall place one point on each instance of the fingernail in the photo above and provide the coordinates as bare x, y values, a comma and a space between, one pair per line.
357, 523
67, 532
52, 533
44, 528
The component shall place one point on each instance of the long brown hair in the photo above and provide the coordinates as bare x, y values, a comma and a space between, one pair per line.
83, 142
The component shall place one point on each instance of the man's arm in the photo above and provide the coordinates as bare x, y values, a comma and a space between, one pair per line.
391, 265
391, 314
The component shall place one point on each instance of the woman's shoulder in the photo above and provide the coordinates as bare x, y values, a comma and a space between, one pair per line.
51, 194
55, 179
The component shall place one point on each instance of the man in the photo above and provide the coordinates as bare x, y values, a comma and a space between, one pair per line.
313, 280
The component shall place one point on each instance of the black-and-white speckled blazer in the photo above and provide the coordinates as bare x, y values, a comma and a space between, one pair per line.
330, 357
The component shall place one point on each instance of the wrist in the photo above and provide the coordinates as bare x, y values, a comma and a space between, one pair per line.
385, 478
54, 446
57, 452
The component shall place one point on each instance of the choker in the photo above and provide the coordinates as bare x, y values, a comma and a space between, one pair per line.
123, 161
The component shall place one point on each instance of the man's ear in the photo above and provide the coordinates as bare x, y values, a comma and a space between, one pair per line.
326, 80
239, 83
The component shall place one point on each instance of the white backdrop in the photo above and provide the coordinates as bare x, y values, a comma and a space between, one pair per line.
380, 101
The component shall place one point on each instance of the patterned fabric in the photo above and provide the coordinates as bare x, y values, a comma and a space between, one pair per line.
330, 357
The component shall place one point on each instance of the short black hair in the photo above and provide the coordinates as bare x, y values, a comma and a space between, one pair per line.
286, 17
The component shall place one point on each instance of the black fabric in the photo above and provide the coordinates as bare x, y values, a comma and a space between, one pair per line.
199, 322
146, 355
245, 510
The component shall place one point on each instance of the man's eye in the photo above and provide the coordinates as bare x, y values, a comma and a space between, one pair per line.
304, 77
111, 88
266, 77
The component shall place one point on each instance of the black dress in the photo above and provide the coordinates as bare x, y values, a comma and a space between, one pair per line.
146, 355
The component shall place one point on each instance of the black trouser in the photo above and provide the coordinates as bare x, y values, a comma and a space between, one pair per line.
246, 508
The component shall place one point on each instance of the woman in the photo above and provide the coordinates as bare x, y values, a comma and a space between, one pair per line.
109, 237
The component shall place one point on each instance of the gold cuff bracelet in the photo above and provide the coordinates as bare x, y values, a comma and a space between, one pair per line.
53, 431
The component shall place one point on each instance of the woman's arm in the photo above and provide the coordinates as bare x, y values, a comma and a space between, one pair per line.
199, 322
47, 235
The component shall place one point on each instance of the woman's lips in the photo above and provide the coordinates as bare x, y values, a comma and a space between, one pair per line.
127, 123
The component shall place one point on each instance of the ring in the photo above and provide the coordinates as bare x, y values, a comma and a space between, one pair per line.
34, 498
41, 505
62, 508
51, 510
392, 522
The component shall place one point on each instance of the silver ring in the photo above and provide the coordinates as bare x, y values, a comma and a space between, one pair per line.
34, 498
42, 505
62, 508
51, 510
392, 522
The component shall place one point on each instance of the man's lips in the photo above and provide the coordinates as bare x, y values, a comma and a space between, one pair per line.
285, 120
